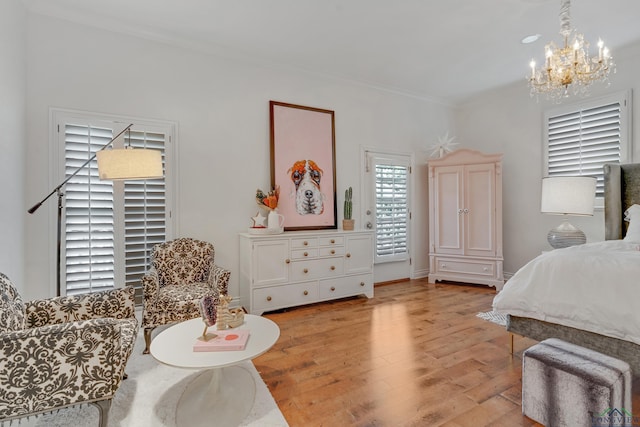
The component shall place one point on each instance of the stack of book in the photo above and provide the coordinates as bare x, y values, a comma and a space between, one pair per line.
226, 340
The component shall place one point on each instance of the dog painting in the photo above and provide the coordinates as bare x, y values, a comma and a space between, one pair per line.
306, 177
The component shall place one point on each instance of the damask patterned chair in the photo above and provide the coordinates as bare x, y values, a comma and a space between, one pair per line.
182, 272
63, 351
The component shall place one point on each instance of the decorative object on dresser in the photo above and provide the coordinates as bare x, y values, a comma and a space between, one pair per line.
297, 268
182, 272
465, 218
303, 165
348, 222
567, 195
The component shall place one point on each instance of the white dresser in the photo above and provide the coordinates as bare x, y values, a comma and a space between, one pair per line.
303, 267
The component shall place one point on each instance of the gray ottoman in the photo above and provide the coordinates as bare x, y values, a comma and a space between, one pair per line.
567, 385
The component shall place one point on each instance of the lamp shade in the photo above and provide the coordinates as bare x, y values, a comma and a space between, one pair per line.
568, 195
129, 163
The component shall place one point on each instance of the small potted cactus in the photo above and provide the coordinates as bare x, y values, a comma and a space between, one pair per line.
347, 222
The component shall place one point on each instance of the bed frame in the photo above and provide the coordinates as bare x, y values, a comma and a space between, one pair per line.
621, 189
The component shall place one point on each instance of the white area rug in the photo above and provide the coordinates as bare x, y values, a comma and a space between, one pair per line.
149, 398
494, 317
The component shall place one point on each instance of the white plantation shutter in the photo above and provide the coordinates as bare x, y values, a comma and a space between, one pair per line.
110, 227
392, 213
581, 139
144, 212
88, 229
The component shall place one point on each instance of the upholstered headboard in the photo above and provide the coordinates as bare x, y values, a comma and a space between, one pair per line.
621, 190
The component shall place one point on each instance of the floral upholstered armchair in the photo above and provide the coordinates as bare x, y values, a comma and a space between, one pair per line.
182, 272
63, 351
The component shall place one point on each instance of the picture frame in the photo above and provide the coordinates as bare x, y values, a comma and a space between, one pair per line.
303, 165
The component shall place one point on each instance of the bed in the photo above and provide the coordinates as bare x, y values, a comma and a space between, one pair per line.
589, 294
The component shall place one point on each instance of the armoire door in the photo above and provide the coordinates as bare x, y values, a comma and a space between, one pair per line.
479, 210
449, 217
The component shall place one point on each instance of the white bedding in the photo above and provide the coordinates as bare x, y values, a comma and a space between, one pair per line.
594, 287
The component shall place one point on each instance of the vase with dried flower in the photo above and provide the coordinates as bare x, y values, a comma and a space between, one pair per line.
269, 201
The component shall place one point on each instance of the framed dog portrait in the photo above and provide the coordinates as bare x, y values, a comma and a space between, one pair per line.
303, 165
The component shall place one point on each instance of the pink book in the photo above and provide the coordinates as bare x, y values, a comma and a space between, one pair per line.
226, 340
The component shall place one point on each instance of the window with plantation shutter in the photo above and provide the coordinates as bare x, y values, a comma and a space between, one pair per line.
89, 219
580, 139
110, 227
145, 212
392, 212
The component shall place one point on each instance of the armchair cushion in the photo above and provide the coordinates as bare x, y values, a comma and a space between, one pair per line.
182, 261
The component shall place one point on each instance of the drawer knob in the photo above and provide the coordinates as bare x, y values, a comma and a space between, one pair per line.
348, 255
306, 292
333, 267
306, 270
306, 254
361, 283
333, 251
486, 269
333, 288
287, 260
333, 241
443, 265
305, 243
268, 298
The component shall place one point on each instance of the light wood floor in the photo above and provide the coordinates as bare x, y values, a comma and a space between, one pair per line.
415, 355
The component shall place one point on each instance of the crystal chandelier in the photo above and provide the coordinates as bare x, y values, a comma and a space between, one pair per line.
569, 69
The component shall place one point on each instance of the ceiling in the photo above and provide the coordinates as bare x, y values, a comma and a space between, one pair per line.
444, 50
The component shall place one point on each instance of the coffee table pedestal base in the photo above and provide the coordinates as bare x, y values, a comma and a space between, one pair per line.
221, 397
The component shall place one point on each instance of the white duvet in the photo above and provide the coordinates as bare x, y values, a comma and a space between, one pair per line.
594, 287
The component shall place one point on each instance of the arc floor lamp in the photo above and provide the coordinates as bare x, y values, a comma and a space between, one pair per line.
115, 164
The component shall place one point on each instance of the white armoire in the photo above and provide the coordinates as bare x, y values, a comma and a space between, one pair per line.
465, 218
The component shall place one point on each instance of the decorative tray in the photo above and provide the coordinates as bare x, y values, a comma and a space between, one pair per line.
265, 230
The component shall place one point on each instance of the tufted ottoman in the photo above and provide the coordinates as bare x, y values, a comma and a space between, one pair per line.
567, 385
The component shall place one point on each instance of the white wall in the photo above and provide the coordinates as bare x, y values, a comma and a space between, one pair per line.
221, 107
509, 121
13, 66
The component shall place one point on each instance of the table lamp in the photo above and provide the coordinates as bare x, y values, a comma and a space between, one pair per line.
567, 195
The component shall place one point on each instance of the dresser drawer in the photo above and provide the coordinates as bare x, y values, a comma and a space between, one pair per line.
316, 268
475, 267
274, 297
304, 242
346, 286
331, 251
304, 253
331, 241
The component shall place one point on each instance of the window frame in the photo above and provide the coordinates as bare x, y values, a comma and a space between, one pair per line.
58, 119
623, 98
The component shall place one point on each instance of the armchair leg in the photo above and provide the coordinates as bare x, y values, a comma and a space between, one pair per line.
103, 411
147, 339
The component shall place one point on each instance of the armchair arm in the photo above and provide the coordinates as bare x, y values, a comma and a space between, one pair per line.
150, 285
221, 279
60, 365
117, 303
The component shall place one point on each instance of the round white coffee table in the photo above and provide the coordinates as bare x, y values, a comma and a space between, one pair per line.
224, 394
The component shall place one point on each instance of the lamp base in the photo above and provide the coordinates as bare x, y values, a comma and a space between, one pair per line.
565, 235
